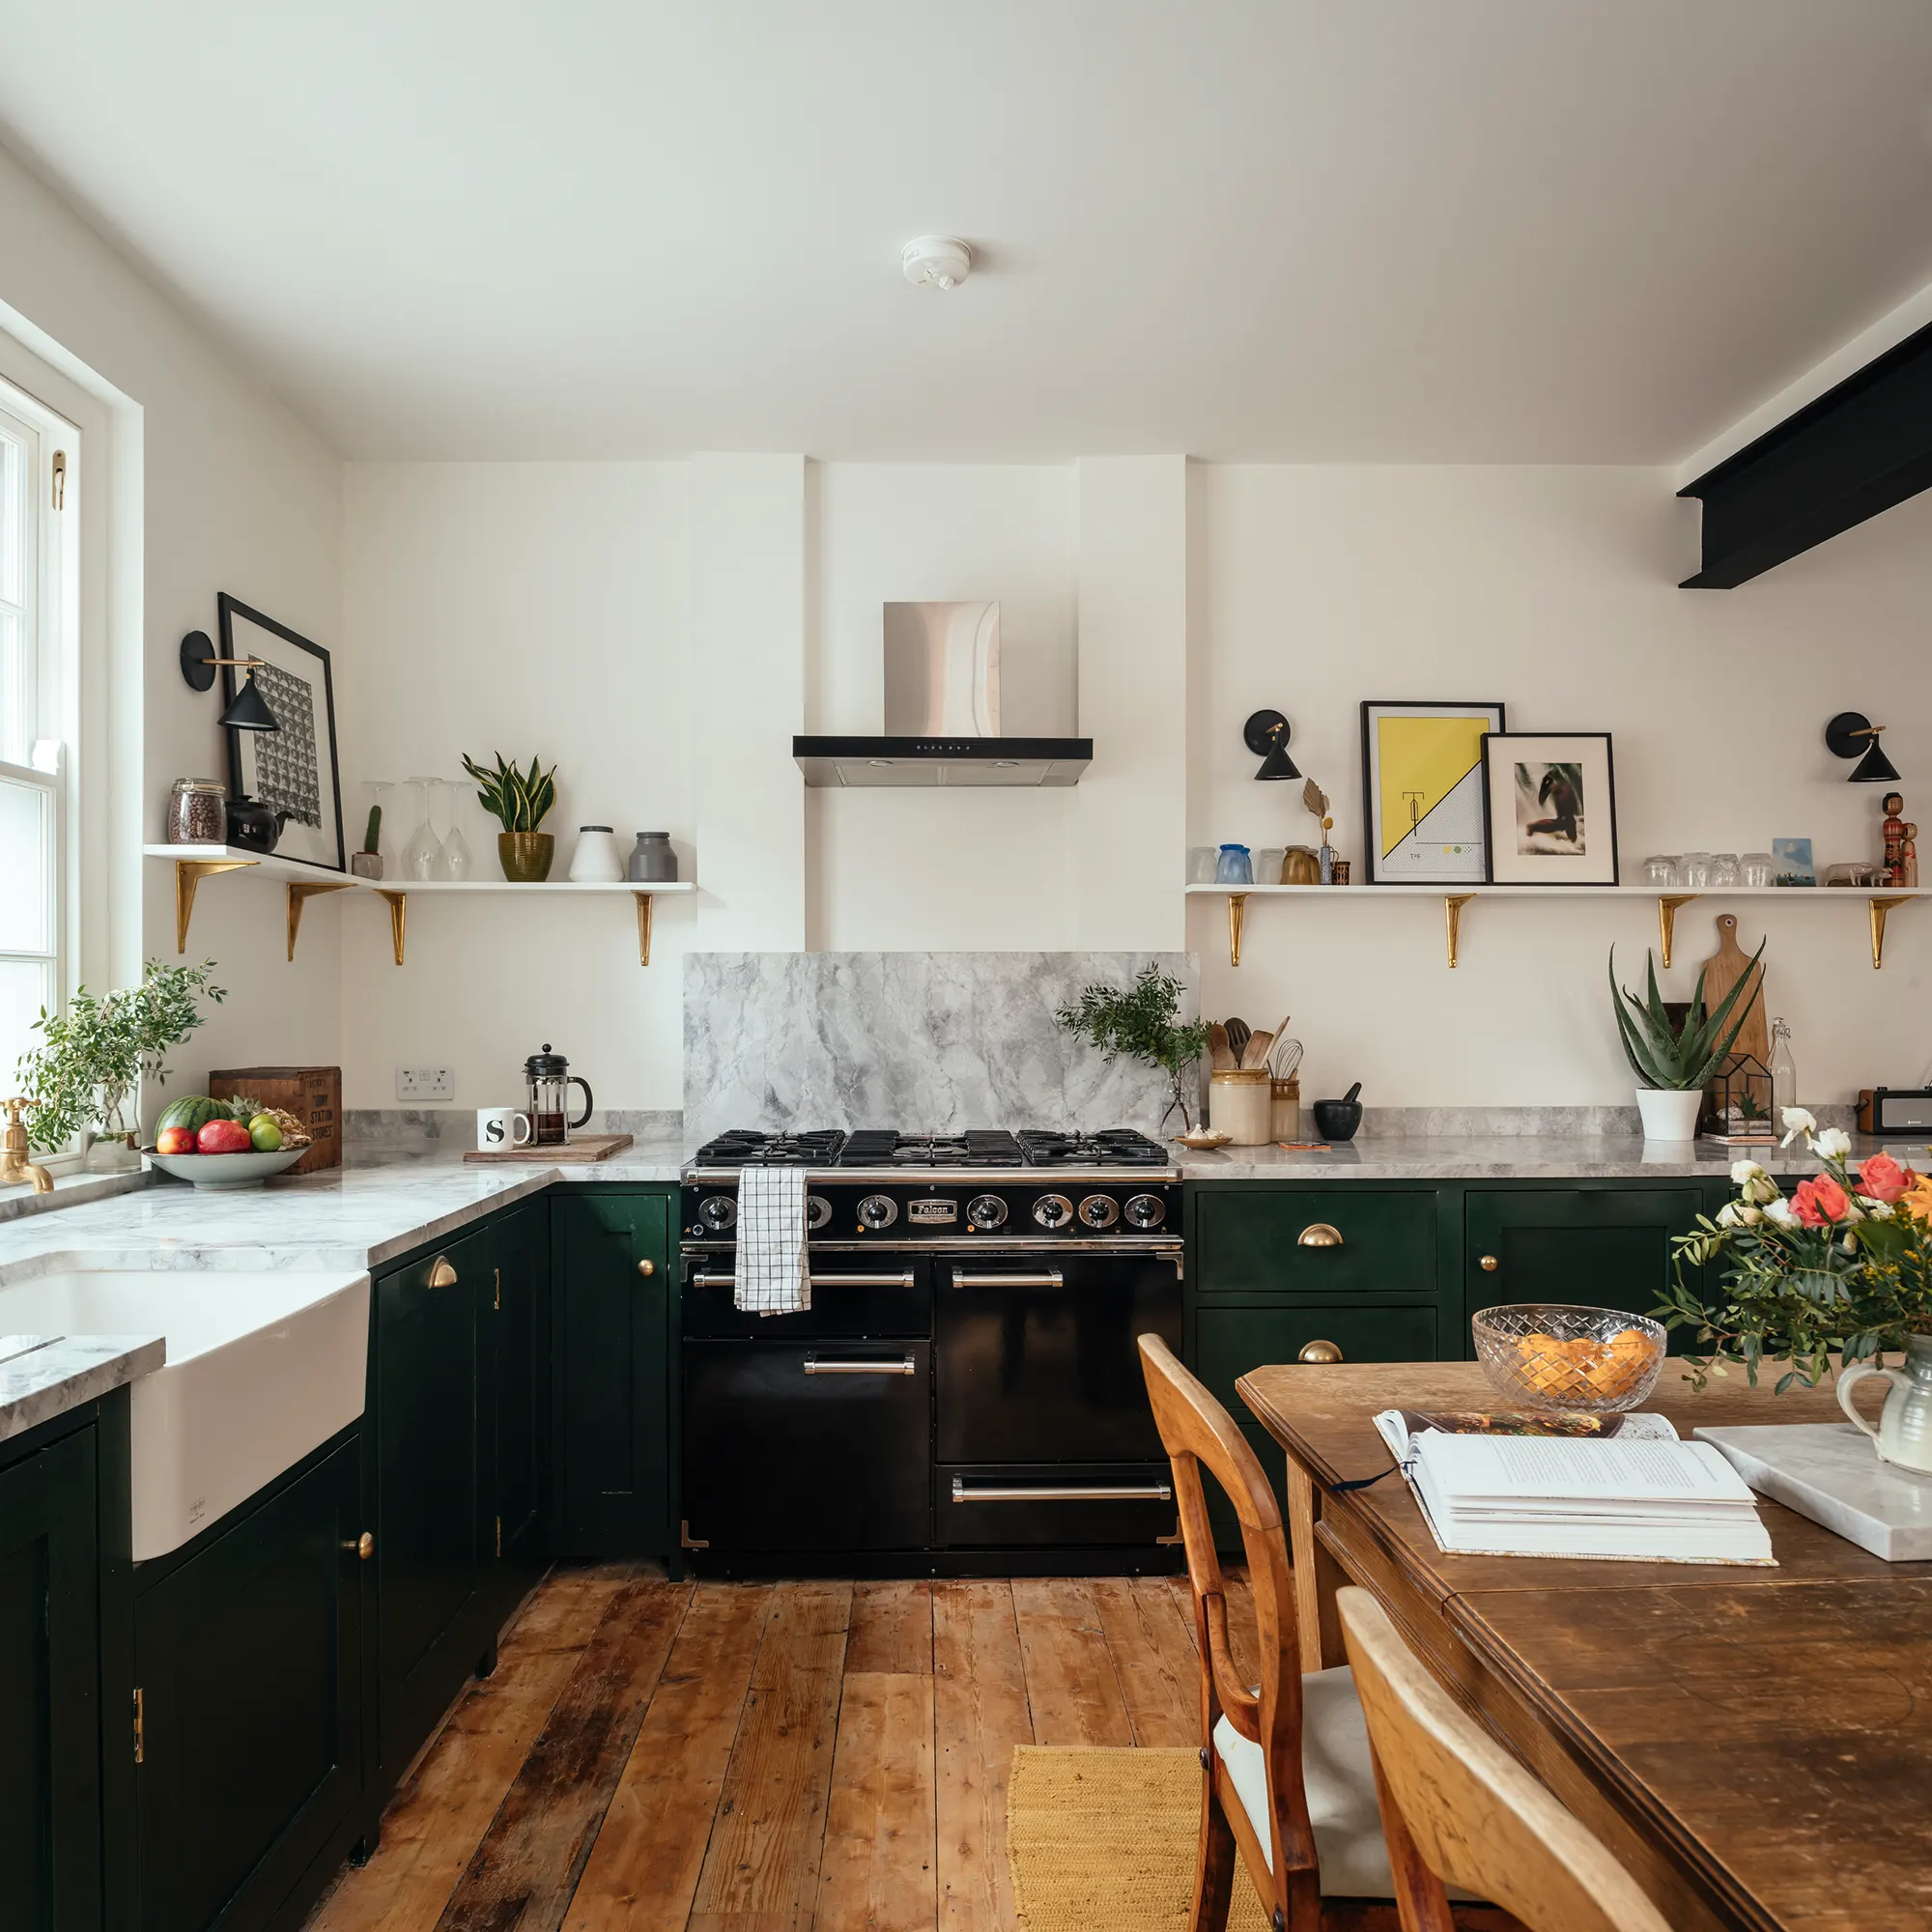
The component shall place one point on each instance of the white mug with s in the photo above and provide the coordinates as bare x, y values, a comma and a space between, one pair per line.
501, 1127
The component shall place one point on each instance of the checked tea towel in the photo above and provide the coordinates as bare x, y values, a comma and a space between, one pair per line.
772, 1274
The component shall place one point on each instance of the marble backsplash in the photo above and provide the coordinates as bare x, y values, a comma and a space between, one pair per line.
925, 1042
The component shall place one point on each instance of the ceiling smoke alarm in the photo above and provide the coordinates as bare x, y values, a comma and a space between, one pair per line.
936, 262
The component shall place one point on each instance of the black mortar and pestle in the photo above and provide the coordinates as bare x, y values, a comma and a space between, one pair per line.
1338, 1120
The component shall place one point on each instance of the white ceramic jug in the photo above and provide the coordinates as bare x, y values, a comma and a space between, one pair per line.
1904, 1432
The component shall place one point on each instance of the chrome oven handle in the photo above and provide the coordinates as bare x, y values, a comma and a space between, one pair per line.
907, 1279
1059, 1492
1042, 1278
904, 1366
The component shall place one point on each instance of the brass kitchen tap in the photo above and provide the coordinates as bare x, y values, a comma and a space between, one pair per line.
14, 1166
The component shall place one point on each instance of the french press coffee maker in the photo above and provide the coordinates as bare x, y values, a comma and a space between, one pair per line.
550, 1080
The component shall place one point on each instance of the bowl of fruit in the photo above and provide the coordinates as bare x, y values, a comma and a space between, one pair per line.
1580, 1361
226, 1143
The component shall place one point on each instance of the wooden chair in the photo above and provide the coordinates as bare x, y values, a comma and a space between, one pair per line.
1458, 1809
1288, 1780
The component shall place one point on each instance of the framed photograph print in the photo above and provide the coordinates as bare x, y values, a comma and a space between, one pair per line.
1550, 807
292, 770
1422, 803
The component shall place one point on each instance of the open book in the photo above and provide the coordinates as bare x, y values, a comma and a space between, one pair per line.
1639, 1493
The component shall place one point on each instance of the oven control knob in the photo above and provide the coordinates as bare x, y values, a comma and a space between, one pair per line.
1053, 1211
719, 1212
1145, 1210
986, 1210
1099, 1210
877, 1211
817, 1210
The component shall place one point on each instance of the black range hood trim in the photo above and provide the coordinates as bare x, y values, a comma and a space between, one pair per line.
1066, 759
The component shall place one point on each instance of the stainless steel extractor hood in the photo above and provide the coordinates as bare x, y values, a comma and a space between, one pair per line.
942, 689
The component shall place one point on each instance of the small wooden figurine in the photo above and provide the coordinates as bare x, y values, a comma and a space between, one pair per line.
1906, 871
1894, 830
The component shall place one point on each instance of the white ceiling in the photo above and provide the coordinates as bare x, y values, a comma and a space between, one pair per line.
1322, 230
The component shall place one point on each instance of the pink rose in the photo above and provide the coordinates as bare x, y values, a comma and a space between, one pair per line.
1819, 1202
1882, 1179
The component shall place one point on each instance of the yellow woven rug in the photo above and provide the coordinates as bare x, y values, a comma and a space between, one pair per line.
1103, 1838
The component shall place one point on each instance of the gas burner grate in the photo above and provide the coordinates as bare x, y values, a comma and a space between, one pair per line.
884, 1147
1109, 1146
749, 1147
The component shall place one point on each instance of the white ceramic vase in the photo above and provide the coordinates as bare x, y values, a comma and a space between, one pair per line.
1669, 1113
1904, 1433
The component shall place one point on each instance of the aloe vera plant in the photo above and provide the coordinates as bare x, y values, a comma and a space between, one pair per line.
519, 799
1672, 1058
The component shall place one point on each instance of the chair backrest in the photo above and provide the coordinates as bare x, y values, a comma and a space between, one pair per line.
1197, 1434
1456, 1807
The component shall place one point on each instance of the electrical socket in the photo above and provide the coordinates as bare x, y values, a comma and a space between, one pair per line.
425, 1083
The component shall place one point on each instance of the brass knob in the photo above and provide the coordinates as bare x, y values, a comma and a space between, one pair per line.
442, 1275
1318, 1354
647, 1267
1489, 1265
364, 1546
1319, 1234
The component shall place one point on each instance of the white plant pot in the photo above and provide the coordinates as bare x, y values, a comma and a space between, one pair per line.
1669, 1113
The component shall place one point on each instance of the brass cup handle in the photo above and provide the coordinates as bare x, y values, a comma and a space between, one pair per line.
363, 1546
442, 1275
1320, 1235
1318, 1354
1489, 1264
647, 1267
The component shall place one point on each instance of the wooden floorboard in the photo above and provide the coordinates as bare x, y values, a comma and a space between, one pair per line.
892, 1630
980, 1713
878, 1867
1072, 1688
527, 1867
761, 1869
1154, 1659
643, 1870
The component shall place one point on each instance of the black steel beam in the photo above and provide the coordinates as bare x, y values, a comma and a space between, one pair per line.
1856, 450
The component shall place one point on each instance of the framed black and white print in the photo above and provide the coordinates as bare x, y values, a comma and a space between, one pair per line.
1549, 805
1422, 767
292, 770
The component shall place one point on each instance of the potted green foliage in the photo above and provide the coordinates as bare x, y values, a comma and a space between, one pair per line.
1672, 1063
520, 800
84, 1079
1142, 1021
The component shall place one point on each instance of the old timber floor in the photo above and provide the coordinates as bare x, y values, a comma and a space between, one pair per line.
778, 1757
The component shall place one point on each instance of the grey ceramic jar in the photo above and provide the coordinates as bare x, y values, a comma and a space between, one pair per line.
651, 859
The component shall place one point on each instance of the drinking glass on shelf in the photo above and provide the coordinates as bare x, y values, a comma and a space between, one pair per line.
453, 862
1661, 870
1756, 869
1693, 870
1235, 867
422, 856
1267, 865
1201, 864
1723, 869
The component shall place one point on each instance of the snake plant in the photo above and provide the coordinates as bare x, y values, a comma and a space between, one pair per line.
519, 799
1675, 1058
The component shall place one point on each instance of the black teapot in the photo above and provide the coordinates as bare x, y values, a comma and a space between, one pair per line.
253, 826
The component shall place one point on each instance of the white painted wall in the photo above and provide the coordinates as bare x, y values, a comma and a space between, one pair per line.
1554, 590
233, 494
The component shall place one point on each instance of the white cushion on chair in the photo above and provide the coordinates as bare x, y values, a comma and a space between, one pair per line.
1340, 1780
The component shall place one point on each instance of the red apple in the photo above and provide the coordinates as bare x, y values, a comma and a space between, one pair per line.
224, 1137
175, 1139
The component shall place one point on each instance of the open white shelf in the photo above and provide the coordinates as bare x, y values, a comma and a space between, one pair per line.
302, 882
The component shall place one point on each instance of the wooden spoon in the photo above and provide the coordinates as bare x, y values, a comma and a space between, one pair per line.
1255, 1054
1220, 1055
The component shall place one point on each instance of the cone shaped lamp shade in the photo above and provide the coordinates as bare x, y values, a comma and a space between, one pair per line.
1875, 768
1266, 735
1279, 765
248, 710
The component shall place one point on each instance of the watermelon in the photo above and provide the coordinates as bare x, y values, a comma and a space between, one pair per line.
192, 1111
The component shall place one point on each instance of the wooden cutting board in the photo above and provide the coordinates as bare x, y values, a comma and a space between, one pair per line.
1722, 971
581, 1147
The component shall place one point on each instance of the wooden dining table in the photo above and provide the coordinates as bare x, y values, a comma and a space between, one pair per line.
1754, 1743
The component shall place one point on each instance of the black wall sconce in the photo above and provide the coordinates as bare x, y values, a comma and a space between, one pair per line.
1851, 734
1265, 734
247, 710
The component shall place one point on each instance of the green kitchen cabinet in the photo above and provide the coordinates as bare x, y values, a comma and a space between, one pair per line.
51, 1734
519, 1365
1606, 1247
611, 1290
1345, 1239
247, 1662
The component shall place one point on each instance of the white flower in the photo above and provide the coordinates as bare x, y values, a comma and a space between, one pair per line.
1797, 1120
1764, 1188
1750, 1216
1781, 1214
1728, 1215
1834, 1144
1880, 1210
1744, 1171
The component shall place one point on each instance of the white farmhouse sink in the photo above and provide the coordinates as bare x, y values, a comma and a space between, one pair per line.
262, 1368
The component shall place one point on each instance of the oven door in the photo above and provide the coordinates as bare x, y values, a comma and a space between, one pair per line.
1036, 1353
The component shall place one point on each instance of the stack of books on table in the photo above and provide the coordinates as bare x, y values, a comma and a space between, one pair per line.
1500, 1484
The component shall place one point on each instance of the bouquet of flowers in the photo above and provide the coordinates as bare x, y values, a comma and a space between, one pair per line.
1844, 1263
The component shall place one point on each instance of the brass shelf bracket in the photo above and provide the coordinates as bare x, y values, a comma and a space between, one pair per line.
398, 903
1237, 915
1666, 919
188, 874
643, 900
1879, 908
300, 892
1452, 919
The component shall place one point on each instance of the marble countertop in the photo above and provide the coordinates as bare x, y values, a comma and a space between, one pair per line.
44, 1376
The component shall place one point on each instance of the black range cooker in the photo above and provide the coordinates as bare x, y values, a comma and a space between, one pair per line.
964, 1394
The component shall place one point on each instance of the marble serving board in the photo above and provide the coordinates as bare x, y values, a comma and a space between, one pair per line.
1828, 1472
